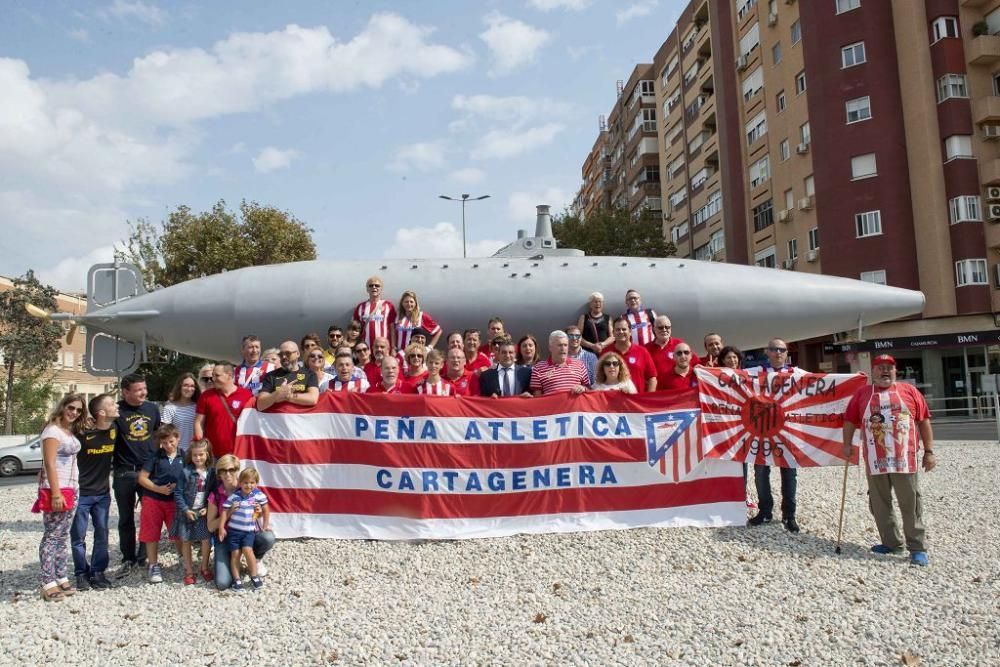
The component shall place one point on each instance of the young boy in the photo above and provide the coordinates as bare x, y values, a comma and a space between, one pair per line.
241, 511
434, 384
159, 477
94, 463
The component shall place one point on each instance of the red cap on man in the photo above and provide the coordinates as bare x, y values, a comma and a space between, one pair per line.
883, 360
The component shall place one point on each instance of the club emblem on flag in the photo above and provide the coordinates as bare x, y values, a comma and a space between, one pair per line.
664, 430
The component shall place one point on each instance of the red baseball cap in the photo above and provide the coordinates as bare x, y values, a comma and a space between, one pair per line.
883, 359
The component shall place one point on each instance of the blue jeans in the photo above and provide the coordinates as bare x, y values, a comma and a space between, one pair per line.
262, 543
765, 501
89, 508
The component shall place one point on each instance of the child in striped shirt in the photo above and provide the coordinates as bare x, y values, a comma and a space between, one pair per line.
242, 510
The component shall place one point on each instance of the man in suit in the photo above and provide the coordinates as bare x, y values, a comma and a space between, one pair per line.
505, 379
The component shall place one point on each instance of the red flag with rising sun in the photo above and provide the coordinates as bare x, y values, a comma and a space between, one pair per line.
789, 418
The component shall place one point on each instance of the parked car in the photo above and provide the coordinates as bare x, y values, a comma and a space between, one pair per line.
26, 457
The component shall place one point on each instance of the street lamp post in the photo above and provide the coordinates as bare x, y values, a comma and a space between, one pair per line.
464, 199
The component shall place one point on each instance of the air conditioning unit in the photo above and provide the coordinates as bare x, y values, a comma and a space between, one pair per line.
991, 131
772, 19
806, 203
784, 215
802, 148
994, 212
741, 62
788, 263
993, 192
812, 255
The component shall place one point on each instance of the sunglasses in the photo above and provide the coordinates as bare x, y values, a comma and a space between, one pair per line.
573, 336
414, 356
73, 408
612, 363
684, 352
660, 327
315, 356
229, 470
205, 378
777, 349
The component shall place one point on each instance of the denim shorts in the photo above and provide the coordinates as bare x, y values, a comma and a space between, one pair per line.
239, 539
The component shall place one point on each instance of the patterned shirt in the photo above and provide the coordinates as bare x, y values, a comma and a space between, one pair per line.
887, 419
249, 377
404, 328
248, 508
551, 378
641, 323
440, 388
354, 385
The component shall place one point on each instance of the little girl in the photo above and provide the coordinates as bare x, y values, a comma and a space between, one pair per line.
191, 494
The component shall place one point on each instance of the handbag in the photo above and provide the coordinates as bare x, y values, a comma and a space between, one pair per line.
44, 501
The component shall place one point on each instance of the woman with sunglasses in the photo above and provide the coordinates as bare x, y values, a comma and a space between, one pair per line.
416, 367
227, 471
57, 485
612, 375
180, 408
316, 362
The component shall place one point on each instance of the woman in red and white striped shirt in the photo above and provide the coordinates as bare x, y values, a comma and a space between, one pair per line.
412, 317
434, 384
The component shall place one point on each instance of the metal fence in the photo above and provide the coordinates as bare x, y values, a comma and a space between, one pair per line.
966, 418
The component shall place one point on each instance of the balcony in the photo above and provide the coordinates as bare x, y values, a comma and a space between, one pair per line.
986, 109
974, 3
984, 50
989, 171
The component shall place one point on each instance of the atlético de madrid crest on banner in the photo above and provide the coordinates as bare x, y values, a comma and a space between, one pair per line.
666, 429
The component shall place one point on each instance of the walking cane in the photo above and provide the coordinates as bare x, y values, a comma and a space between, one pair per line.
843, 498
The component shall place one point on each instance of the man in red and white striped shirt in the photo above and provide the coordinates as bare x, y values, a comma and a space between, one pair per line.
345, 379
559, 372
640, 320
377, 315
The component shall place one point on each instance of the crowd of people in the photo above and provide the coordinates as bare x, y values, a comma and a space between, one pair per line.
178, 464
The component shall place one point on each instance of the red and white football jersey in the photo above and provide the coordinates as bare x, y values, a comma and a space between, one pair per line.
404, 328
440, 388
377, 320
354, 385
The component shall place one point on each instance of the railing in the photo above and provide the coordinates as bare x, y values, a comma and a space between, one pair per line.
966, 417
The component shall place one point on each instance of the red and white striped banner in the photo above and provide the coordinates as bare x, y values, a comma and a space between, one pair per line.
404, 467
789, 419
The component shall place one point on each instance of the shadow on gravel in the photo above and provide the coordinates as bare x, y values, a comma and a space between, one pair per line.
774, 538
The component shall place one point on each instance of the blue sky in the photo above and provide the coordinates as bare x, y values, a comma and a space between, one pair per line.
354, 116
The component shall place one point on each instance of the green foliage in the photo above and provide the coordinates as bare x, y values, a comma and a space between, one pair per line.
31, 398
29, 345
613, 232
193, 245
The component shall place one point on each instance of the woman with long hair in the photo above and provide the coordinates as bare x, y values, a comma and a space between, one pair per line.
57, 488
731, 357
527, 351
316, 362
612, 375
410, 317
180, 408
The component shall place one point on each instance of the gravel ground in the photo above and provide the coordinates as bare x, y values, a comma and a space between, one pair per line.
730, 596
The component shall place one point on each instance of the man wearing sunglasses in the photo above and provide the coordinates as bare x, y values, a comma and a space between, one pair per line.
335, 336
291, 383
663, 350
777, 362
680, 377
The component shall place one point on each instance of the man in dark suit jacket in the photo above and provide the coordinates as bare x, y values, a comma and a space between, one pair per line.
491, 380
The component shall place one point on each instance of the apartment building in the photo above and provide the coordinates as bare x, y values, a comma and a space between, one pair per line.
857, 138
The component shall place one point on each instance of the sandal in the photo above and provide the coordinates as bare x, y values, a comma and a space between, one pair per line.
189, 579
207, 575
52, 594
67, 589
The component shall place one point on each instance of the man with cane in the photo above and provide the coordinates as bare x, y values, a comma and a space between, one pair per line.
892, 416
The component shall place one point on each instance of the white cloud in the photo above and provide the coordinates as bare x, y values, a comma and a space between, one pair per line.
521, 204
468, 176
136, 9
549, 5
512, 43
634, 11
70, 274
577, 52
421, 156
271, 159
80, 35
443, 240
514, 109
509, 143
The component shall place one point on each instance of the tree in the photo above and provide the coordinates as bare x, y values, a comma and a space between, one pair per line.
29, 344
613, 232
193, 245
32, 394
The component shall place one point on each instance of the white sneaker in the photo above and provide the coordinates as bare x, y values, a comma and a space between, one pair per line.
261, 569
155, 575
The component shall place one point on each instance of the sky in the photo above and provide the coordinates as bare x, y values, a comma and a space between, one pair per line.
353, 116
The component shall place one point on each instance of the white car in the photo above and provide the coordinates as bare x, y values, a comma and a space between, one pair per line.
26, 457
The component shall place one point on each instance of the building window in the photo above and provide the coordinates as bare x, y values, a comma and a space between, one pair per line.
863, 166
763, 216
805, 133
852, 54
744, 6
756, 128
951, 85
965, 209
868, 223
713, 206
793, 249
847, 5
876, 277
766, 258
945, 26
679, 231
789, 199
970, 272
814, 238
859, 109
783, 151
958, 145
760, 171
800, 82
753, 83
776, 53
779, 101
751, 40
810, 185
796, 32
